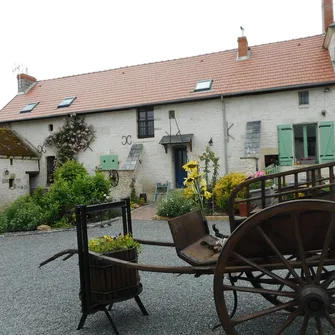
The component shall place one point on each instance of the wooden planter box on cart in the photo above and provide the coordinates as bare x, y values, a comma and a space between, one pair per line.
111, 283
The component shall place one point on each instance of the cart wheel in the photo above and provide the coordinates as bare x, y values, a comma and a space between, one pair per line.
290, 249
114, 177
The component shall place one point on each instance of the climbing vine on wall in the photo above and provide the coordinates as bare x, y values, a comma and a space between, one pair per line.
75, 135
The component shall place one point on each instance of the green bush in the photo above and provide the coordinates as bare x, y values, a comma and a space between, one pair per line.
3, 222
24, 214
224, 187
69, 171
175, 204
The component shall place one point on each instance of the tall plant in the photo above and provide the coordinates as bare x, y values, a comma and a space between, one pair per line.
73, 136
210, 161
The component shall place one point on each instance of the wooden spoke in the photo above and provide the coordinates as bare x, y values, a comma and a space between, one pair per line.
319, 326
330, 320
279, 254
329, 237
329, 280
259, 290
264, 312
269, 273
289, 320
304, 325
300, 246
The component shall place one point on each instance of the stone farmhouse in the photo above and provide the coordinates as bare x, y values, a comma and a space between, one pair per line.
255, 105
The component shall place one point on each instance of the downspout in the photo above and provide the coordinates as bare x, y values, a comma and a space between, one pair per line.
225, 135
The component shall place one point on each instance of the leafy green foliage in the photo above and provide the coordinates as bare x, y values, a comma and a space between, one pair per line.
69, 171
73, 186
109, 243
175, 204
24, 214
211, 162
3, 223
224, 187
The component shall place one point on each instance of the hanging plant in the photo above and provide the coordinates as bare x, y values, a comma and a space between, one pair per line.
73, 136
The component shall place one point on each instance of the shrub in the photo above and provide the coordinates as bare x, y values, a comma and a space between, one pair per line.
69, 171
224, 187
3, 222
24, 214
175, 204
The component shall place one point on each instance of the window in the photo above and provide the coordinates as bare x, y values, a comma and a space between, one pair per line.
50, 169
306, 143
11, 183
66, 102
203, 85
145, 120
51, 127
303, 98
28, 108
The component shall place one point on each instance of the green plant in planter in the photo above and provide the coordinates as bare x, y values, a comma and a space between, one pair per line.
257, 185
108, 243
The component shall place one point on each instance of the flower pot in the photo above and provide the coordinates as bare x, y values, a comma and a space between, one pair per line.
111, 283
243, 208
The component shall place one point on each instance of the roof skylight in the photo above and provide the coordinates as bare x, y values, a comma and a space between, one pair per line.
66, 102
28, 108
203, 85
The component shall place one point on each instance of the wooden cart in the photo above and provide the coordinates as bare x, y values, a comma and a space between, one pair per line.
284, 253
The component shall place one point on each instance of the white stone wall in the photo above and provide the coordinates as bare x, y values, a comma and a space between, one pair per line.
16, 172
203, 119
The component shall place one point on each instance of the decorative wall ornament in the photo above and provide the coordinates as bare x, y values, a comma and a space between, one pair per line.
127, 140
41, 149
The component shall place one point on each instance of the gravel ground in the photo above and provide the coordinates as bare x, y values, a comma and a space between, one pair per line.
45, 301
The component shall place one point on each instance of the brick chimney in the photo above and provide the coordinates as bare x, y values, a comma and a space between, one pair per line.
24, 82
327, 14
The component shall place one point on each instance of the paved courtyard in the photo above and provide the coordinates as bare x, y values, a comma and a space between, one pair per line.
45, 301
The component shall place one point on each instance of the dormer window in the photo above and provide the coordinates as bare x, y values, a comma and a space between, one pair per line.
28, 108
66, 102
203, 85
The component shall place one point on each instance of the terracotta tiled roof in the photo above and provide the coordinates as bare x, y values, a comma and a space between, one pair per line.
12, 145
296, 62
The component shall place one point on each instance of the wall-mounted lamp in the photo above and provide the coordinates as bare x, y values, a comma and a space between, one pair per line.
323, 112
326, 90
6, 172
210, 142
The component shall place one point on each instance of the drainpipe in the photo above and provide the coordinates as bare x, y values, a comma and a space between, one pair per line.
225, 135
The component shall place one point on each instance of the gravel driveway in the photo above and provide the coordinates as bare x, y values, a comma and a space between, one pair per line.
45, 301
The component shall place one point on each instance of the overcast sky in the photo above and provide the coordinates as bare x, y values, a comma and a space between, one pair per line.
60, 38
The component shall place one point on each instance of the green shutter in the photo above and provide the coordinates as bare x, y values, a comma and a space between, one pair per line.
327, 152
285, 150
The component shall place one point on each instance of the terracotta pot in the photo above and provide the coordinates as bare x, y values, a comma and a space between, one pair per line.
243, 208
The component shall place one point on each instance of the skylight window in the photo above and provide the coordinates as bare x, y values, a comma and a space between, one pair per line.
66, 102
203, 85
28, 108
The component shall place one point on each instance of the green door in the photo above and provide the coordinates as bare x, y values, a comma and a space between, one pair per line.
285, 141
327, 152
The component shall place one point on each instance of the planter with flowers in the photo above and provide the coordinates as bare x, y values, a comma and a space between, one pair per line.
111, 283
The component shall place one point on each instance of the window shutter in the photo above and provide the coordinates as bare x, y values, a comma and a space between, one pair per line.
285, 133
327, 152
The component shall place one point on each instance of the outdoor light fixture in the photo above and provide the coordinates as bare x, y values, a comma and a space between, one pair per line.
326, 90
6, 172
210, 142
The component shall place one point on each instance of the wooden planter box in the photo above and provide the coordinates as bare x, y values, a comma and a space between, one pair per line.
111, 283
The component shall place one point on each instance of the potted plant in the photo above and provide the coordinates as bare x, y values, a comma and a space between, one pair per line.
111, 283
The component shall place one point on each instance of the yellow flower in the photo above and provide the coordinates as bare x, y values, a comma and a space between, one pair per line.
207, 195
191, 165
